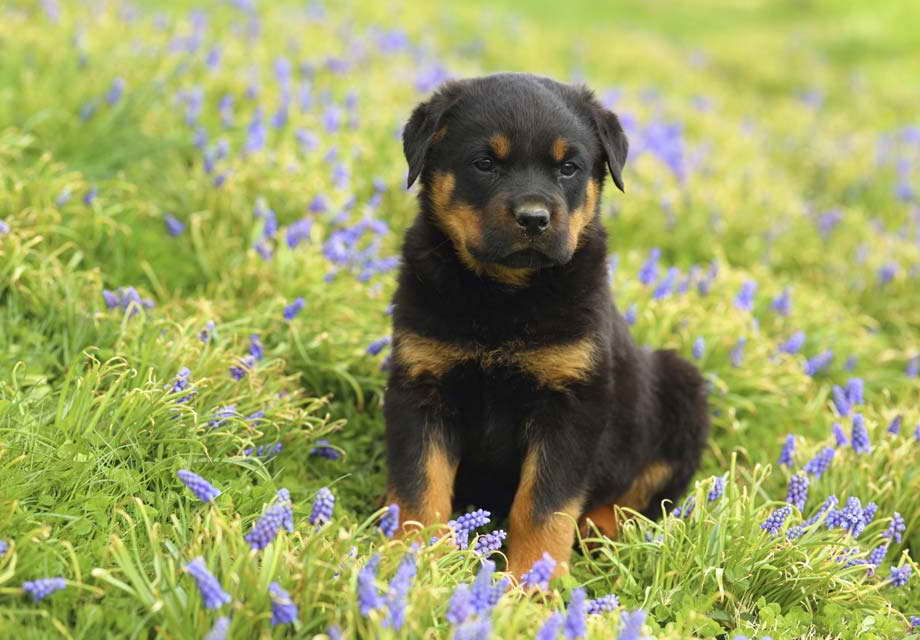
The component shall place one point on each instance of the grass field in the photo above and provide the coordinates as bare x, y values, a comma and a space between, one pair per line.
174, 177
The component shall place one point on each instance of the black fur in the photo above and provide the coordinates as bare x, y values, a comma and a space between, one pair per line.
633, 408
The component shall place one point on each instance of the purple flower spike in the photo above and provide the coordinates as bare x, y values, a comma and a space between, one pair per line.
266, 528
900, 576
43, 587
737, 353
820, 463
284, 611
631, 625
323, 505
894, 427
794, 344
219, 630
298, 232
255, 347
816, 364
718, 488
773, 523
4, 547
666, 285
239, 371
855, 391
291, 311
782, 303
699, 348
785, 456
222, 415
631, 313
481, 593
602, 604
896, 528
550, 628
211, 592
841, 402
840, 438
389, 523
745, 298
460, 606
205, 334
398, 591
202, 489
90, 195
859, 435
540, 573
368, 598
489, 543
378, 345
174, 226
912, 370
466, 524
575, 625
323, 450
649, 271
797, 493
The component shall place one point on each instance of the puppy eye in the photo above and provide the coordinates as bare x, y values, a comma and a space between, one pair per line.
568, 169
484, 164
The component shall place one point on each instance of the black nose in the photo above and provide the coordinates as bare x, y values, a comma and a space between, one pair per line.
534, 220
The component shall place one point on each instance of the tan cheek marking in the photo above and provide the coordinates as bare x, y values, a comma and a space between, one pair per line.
420, 355
559, 148
439, 134
580, 218
501, 145
435, 503
529, 539
637, 498
558, 365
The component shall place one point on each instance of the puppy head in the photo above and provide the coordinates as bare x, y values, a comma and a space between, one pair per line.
511, 167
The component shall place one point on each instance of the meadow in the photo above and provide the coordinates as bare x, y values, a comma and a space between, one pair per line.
201, 206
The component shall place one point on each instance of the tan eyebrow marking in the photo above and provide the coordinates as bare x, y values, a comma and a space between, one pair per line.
558, 149
501, 145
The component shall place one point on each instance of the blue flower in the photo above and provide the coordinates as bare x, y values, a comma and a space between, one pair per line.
575, 625
389, 523
840, 438
894, 427
298, 232
368, 598
219, 629
466, 524
776, 519
745, 298
202, 489
877, 556
841, 402
256, 134
255, 347
859, 435
205, 334
602, 604
181, 384
666, 285
332, 119
174, 226
489, 543
896, 528
718, 488
43, 587
222, 415
63, 197
211, 592
284, 611
482, 593
886, 273
829, 503
460, 606
782, 303
540, 573
816, 364
912, 370
291, 311
550, 628
323, 505
699, 348
283, 500
794, 344
855, 391
378, 345
115, 90
900, 576
785, 455
631, 625
797, 492
630, 315
238, 372
684, 510
398, 591
478, 629
737, 353
820, 463
323, 449
649, 271
266, 528
334, 632
4, 546
852, 517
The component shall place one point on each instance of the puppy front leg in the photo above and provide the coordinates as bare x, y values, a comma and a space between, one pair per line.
421, 464
546, 507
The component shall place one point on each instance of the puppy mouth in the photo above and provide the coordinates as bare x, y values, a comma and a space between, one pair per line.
526, 258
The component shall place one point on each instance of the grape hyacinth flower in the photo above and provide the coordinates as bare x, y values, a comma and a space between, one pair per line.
368, 598
222, 415
43, 587
460, 606
482, 597
794, 344
264, 450
829, 503
745, 298
797, 493
219, 629
174, 226
255, 347
602, 604
575, 625
298, 232
4, 547
334, 632
466, 524
816, 364
212, 593
399, 590
785, 455
630, 315
202, 489
205, 334
912, 370
239, 371
820, 463
855, 391
900, 576
896, 528
265, 530
699, 348
631, 625
479, 629
540, 573
782, 303
737, 353
649, 271
323, 449
776, 519
489, 543
718, 488
876, 557
378, 345
684, 510
666, 285
841, 402
389, 523
323, 505
840, 438
859, 435
291, 310
181, 383
284, 611
90, 195
894, 427
550, 628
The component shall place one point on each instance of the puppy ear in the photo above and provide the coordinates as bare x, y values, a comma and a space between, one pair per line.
613, 140
422, 126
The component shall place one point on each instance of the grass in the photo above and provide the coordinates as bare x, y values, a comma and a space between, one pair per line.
792, 165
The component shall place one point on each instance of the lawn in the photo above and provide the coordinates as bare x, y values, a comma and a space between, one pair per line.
200, 214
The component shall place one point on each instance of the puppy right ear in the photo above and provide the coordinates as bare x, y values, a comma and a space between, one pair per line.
424, 125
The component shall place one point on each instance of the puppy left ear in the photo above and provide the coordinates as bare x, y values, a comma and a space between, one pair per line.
613, 140
423, 125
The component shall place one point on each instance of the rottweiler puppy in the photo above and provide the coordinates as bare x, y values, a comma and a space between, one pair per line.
515, 385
